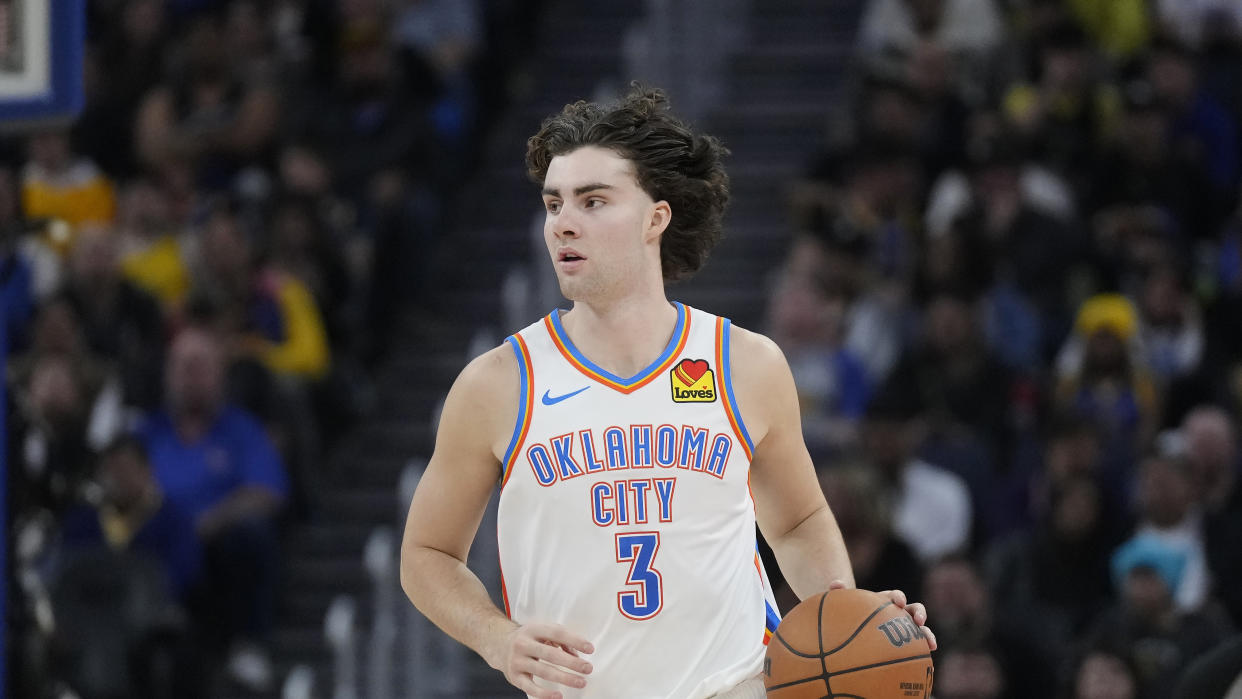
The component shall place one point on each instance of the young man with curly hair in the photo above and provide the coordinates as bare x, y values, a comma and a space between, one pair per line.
636, 442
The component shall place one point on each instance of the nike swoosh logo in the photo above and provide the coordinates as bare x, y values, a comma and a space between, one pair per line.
549, 400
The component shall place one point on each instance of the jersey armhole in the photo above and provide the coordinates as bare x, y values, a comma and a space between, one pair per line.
526, 394
723, 359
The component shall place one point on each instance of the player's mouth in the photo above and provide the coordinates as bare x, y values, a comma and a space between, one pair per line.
569, 259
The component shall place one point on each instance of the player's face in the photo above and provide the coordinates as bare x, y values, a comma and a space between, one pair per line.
598, 224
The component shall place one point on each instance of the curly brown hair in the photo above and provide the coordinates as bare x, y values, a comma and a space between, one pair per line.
671, 162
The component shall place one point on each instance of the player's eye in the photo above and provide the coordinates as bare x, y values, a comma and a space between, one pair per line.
553, 207
594, 202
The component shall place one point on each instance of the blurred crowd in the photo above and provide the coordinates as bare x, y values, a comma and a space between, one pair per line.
197, 273
1012, 310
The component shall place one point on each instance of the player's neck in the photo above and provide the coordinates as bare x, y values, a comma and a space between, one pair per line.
623, 337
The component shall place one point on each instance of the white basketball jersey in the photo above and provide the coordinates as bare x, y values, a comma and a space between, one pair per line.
626, 516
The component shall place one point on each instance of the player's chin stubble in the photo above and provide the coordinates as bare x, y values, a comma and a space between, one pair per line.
581, 287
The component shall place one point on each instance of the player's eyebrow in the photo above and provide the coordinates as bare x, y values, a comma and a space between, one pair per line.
578, 191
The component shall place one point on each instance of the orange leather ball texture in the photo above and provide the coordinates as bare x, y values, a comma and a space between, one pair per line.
853, 644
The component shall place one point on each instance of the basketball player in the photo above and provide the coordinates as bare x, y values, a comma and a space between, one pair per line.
636, 441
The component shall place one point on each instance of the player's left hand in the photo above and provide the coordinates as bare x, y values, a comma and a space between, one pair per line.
916, 610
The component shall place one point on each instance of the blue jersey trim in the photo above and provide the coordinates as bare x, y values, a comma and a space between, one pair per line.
673, 343
772, 619
726, 370
522, 407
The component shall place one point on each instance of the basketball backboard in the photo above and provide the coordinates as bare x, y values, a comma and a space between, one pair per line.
40, 60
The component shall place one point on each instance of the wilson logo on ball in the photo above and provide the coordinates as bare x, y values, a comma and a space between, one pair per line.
900, 631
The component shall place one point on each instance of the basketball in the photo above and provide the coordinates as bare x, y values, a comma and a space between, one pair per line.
848, 643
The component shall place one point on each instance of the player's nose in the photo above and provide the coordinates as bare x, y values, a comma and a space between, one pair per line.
565, 226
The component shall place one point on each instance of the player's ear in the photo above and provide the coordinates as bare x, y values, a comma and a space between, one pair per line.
661, 216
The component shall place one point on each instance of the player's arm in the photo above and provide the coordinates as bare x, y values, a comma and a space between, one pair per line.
475, 427
789, 503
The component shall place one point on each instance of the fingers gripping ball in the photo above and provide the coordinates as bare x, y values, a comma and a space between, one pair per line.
848, 643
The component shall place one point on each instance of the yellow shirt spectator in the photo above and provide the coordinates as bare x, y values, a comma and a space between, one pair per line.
1120, 27
160, 270
79, 194
304, 351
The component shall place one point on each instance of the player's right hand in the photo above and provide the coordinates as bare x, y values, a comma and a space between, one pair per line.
547, 651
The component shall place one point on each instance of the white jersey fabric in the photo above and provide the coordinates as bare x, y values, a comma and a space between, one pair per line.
625, 514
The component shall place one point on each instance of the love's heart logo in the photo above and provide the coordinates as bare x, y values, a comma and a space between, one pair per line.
693, 369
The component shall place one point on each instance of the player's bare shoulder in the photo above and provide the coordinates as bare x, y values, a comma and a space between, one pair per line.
761, 379
483, 402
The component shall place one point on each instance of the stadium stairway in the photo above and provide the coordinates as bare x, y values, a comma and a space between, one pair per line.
358, 489
781, 87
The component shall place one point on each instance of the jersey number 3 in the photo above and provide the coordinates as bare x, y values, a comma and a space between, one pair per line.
639, 550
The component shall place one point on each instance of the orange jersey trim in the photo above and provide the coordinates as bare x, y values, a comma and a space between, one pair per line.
724, 388
579, 361
526, 406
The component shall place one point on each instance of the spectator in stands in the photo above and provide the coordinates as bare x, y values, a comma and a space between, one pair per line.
1211, 450
1168, 511
881, 561
1144, 627
1101, 376
1075, 446
970, 30
1024, 248
1104, 675
834, 250
154, 253
59, 184
1121, 28
808, 322
866, 232
445, 33
215, 462
445, 36
964, 393
963, 387
119, 322
912, 102
1059, 570
932, 509
271, 316
1066, 112
133, 514
1172, 330
1173, 339
966, 612
881, 199
995, 162
212, 116
372, 133
125, 59
1198, 124
47, 450
969, 672
1209, 446
1141, 168
962, 599
303, 249
370, 129
1197, 23
944, 106
67, 402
